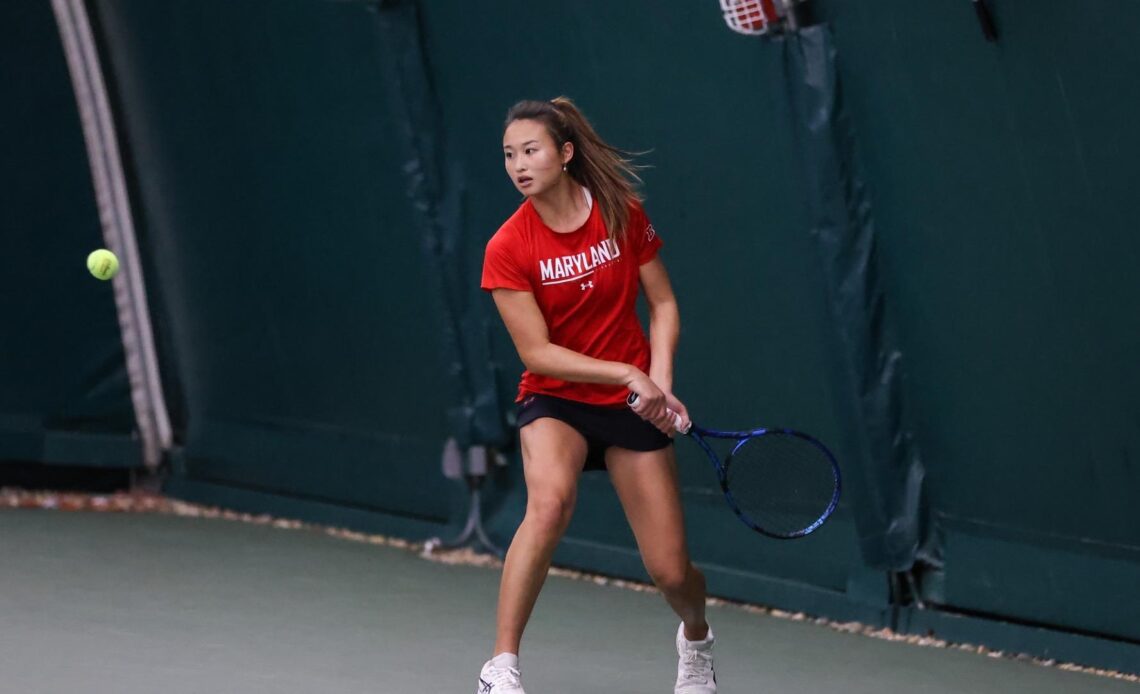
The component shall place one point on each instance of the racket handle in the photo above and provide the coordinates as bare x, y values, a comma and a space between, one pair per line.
634, 398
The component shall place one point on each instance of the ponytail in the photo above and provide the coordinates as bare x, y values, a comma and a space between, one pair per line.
607, 172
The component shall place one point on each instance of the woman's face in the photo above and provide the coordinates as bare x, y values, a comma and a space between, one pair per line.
532, 159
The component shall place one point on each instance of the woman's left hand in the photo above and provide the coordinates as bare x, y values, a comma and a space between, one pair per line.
677, 406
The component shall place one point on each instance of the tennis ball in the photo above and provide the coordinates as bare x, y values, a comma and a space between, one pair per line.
103, 264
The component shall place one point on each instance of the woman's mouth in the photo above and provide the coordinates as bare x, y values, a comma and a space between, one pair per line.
524, 181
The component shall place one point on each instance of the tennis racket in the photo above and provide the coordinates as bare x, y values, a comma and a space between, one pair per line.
779, 482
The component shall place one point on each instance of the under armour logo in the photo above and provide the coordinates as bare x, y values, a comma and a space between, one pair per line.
485, 686
587, 285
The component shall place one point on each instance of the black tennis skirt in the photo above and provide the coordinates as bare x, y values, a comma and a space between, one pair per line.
602, 427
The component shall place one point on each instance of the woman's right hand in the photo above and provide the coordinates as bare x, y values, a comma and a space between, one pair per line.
651, 403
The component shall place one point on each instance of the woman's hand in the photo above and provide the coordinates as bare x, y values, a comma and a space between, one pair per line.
677, 406
653, 404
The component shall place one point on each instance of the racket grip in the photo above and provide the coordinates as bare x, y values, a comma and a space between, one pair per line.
633, 399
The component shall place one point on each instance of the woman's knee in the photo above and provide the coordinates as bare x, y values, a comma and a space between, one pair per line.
550, 512
672, 576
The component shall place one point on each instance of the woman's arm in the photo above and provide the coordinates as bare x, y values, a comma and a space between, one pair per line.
528, 331
664, 329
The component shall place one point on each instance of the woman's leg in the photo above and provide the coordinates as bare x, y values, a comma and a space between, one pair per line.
553, 456
646, 483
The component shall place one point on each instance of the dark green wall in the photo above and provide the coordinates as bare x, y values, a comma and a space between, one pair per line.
1005, 195
64, 395
270, 198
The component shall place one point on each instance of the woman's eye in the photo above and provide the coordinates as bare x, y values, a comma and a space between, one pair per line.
530, 151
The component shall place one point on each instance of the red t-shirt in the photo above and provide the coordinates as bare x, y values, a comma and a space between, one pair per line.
586, 287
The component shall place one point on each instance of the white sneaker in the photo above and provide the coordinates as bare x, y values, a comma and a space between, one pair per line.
695, 674
500, 675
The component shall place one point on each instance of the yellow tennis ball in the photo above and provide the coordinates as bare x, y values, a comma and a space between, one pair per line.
103, 264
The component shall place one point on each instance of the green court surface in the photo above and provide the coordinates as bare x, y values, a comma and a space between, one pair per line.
144, 603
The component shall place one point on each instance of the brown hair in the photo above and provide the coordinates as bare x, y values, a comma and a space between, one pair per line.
607, 172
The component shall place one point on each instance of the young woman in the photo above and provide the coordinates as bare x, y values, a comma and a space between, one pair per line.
564, 272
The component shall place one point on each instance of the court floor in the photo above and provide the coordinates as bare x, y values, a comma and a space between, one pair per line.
143, 603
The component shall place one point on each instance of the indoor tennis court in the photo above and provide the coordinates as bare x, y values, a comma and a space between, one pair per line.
263, 426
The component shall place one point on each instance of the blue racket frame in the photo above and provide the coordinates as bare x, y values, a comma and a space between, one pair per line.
698, 434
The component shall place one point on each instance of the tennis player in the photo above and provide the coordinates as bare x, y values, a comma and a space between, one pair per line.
564, 272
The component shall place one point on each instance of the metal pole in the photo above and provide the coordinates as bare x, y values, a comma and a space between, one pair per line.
109, 182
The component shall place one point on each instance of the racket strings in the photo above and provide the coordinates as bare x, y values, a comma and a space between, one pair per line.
783, 483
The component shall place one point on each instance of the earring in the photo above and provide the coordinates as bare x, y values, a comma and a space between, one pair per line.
563, 167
